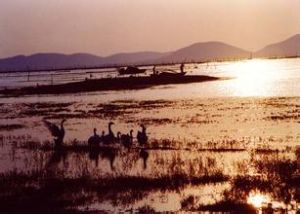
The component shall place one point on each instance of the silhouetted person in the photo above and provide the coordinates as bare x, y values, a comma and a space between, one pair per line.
57, 133
182, 67
154, 70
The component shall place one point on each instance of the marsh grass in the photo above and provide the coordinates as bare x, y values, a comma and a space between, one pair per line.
228, 207
36, 190
9, 127
66, 179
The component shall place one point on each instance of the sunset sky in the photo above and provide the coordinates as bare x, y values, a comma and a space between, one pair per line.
104, 27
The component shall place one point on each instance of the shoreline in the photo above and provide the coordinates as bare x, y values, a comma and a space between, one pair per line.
105, 84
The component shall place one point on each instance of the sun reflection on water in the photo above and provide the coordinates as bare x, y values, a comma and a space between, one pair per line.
254, 78
257, 199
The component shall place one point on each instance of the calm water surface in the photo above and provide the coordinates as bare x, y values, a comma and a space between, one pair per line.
257, 77
240, 137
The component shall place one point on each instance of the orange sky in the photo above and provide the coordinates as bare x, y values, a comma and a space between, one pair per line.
104, 27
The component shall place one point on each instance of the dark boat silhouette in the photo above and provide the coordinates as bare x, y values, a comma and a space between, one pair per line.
131, 70
168, 74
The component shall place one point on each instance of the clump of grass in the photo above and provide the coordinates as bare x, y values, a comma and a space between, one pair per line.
157, 121
266, 151
248, 183
188, 203
278, 178
145, 209
37, 192
229, 206
40, 105
281, 169
9, 127
31, 145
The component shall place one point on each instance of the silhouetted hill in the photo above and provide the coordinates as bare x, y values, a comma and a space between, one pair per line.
197, 52
286, 48
133, 58
48, 61
55, 60
206, 51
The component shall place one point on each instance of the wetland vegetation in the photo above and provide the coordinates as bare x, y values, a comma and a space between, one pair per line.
237, 153
193, 161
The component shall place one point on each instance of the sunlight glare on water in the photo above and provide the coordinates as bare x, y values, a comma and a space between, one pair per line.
255, 78
257, 199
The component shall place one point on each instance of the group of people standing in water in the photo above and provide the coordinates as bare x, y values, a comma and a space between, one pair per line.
96, 140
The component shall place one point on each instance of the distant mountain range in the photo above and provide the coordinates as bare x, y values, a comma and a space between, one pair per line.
197, 52
206, 51
286, 48
62, 61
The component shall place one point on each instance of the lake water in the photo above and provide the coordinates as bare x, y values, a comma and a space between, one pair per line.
257, 77
228, 145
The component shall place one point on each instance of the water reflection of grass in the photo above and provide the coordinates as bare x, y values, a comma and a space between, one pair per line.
34, 191
9, 127
221, 143
229, 207
278, 178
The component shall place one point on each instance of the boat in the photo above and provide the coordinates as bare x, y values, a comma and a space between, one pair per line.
168, 74
131, 70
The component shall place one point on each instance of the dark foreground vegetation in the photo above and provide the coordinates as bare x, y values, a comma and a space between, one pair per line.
35, 192
51, 190
206, 173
